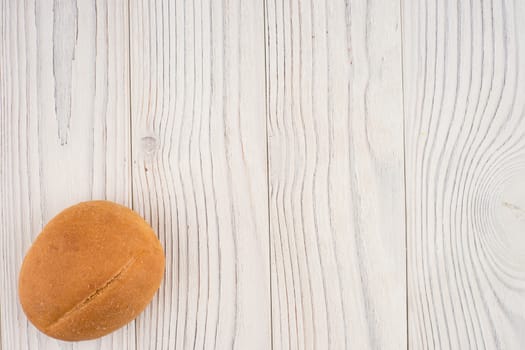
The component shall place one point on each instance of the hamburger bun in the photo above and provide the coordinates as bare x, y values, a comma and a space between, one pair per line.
93, 268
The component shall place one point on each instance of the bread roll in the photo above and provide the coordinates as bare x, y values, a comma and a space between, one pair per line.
93, 268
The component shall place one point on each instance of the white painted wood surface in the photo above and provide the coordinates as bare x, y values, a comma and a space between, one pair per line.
335, 124
465, 170
64, 87
276, 147
199, 170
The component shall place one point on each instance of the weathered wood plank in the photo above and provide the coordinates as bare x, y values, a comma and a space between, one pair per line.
64, 124
336, 174
465, 167
199, 172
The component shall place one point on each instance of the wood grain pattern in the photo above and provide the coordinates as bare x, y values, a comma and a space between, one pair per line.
276, 148
336, 175
64, 124
465, 169
199, 170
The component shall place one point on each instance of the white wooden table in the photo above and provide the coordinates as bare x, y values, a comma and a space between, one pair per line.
322, 174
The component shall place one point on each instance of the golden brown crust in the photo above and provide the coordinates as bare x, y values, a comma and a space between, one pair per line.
94, 268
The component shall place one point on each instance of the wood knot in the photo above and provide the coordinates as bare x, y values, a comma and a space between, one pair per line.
149, 145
